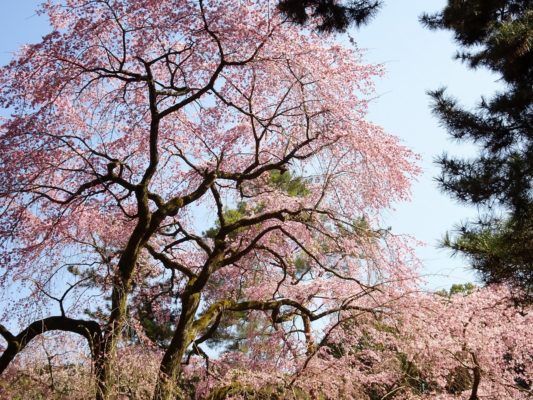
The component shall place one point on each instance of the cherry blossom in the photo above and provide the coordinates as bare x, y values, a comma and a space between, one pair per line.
137, 127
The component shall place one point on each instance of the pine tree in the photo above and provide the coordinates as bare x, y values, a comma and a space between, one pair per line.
332, 15
497, 35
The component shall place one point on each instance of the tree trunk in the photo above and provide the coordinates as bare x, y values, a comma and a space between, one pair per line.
168, 387
119, 298
477, 379
105, 360
101, 372
112, 333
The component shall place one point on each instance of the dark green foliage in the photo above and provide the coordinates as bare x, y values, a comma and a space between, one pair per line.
498, 35
231, 215
462, 288
158, 331
412, 380
333, 15
492, 33
413, 377
500, 250
294, 186
231, 332
280, 180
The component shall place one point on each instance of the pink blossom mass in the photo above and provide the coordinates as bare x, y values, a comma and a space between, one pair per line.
191, 208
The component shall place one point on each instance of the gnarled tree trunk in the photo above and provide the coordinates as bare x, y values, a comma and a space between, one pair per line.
170, 370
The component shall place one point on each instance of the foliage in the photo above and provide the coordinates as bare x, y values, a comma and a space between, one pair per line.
331, 15
498, 35
457, 288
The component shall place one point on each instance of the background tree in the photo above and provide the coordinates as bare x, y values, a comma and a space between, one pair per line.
137, 125
448, 339
498, 35
423, 346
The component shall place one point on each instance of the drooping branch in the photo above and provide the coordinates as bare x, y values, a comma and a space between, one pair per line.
60, 300
90, 330
206, 336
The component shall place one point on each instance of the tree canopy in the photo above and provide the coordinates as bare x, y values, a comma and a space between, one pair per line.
167, 159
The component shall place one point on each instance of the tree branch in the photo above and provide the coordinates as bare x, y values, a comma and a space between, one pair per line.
168, 263
15, 344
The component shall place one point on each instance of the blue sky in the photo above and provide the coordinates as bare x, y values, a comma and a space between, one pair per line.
416, 60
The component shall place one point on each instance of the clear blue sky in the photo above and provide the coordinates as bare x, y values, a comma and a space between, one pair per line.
416, 60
